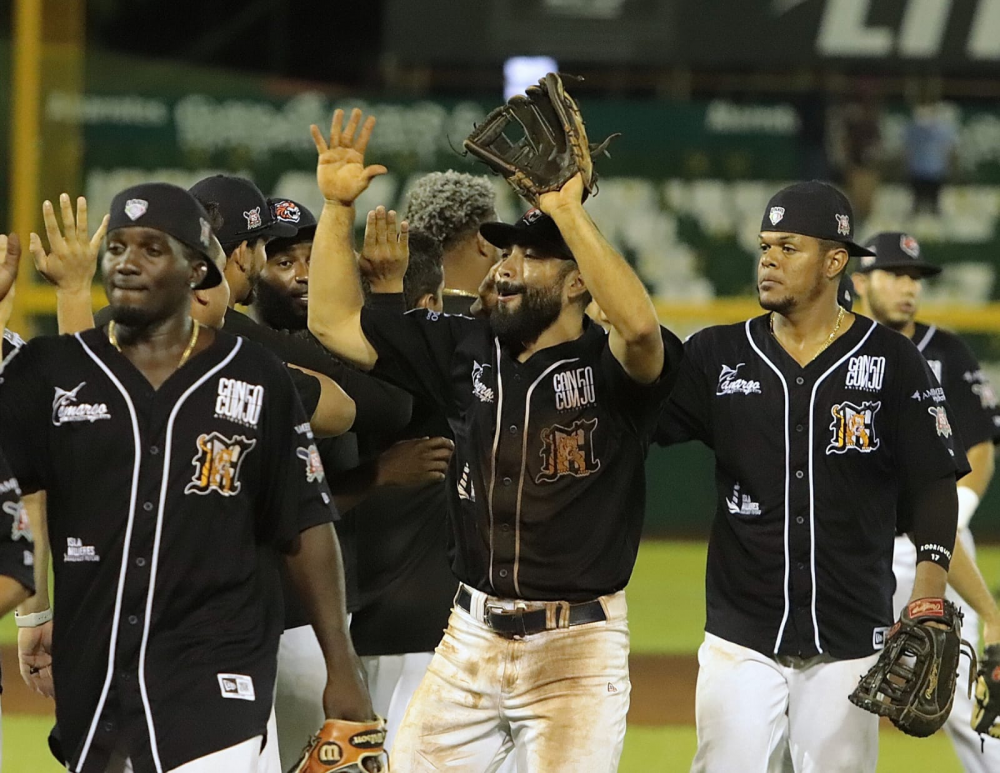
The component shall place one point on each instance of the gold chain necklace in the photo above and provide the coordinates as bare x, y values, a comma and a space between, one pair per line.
195, 330
833, 333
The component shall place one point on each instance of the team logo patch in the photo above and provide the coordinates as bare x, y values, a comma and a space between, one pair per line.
987, 397
253, 218
775, 215
853, 428
67, 410
909, 245
466, 488
941, 423
729, 384
742, 504
136, 208
236, 687
574, 389
20, 528
314, 465
568, 451
217, 464
479, 389
843, 225
206, 231
239, 401
866, 373
287, 212
531, 216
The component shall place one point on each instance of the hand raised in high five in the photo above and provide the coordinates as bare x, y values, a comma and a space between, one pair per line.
386, 251
10, 247
340, 169
71, 261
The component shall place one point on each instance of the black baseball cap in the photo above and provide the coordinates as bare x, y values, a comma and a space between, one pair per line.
534, 229
172, 210
296, 215
895, 249
246, 215
845, 292
815, 209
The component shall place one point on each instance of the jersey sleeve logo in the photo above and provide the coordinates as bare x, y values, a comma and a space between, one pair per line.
853, 428
479, 390
217, 464
568, 451
20, 527
729, 384
987, 397
66, 409
941, 423
314, 464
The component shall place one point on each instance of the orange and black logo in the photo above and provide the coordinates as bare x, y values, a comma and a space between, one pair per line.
853, 428
568, 451
217, 464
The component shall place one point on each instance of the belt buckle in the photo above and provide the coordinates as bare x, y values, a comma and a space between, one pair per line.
517, 614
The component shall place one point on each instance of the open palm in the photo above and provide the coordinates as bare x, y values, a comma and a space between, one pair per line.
340, 168
10, 250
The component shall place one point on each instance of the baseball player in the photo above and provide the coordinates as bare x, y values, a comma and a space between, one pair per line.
550, 419
173, 462
889, 285
449, 207
821, 422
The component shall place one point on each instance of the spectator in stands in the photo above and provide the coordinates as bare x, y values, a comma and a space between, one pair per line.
931, 143
859, 147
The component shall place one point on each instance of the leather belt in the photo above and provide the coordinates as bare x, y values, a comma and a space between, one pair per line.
516, 623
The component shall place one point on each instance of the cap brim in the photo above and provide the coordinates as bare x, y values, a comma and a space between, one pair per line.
857, 251
923, 267
278, 230
505, 236
213, 277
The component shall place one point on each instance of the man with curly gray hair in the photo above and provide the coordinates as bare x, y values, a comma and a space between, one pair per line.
450, 206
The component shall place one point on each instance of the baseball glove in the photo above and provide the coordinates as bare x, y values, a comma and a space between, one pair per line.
987, 708
345, 747
537, 141
913, 681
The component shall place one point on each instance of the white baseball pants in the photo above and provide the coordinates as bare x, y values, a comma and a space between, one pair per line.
754, 713
975, 757
556, 701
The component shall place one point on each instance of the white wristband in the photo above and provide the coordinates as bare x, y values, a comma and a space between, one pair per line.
33, 620
968, 501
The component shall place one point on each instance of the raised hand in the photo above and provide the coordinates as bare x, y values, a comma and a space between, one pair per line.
10, 246
340, 169
71, 261
386, 252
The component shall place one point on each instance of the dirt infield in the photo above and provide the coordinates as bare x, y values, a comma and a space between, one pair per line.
662, 689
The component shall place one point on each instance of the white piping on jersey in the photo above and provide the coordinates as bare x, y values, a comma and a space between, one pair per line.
812, 492
167, 448
784, 387
116, 617
927, 337
524, 462
493, 458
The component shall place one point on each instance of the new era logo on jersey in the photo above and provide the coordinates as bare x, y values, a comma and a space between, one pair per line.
574, 389
878, 637
742, 504
866, 373
853, 428
66, 408
314, 465
479, 389
466, 487
20, 528
217, 464
729, 384
568, 451
237, 687
239, 402
941, 423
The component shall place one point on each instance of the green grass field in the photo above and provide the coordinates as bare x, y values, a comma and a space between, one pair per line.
666, 611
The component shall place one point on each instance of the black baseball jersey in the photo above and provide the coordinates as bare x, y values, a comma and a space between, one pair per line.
548, 470
17, 556
10, 343
810, 463
970, 395
165, 509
